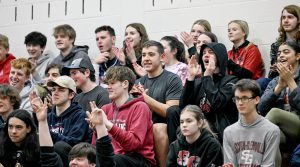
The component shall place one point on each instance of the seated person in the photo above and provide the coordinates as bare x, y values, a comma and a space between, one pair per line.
196, 144
281, 101
213, 91
19, 144
66, 120
245, 60
5, 59
9, 100
253, 140
124, 128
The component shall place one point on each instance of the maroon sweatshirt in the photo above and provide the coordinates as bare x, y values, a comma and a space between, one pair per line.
133, 128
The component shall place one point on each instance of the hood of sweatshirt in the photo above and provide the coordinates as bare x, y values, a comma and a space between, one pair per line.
205, 135
9, 57
75, 50
44, 57
128, 103
255, 123
74, 107
221, 54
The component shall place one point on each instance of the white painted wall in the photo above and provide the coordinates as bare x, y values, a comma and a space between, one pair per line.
160, 17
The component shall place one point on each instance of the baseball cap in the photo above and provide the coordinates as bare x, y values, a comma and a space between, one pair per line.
77, 64
63, 81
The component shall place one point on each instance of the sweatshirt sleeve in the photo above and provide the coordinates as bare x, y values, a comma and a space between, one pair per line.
218, 96
134, 137
77, 132
105, 152
239, 71
214, 155
294, 99
229, 154
192, 51
49, 158
188, 95
268, 99
172, 156
5, 75
271, 148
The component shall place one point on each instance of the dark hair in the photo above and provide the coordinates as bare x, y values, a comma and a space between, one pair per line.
198, 114
7, 91
91, 76
36, 38
158, 45
30, 145
294, 10
248, 85
211, 35
294, 45
174, 43
53, 65
83, 150
140, 28
107, 28
120, 73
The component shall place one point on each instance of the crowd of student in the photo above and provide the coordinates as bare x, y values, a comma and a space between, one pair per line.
150, 103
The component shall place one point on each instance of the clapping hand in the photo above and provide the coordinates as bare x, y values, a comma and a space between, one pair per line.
193, 68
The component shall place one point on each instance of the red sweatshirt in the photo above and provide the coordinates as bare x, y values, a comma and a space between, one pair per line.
5, 68
248, 57
133, 128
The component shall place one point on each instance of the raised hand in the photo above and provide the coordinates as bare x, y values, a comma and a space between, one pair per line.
193, 68
41, 112
187, 39
210, 69
119, 54
130, 52
35, 101
95, 117
139, 70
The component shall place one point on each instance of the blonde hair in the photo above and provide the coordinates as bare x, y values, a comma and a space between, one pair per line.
4, 41
244, 26
204, 23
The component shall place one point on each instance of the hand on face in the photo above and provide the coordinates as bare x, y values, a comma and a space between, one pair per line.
193, 67
103, 57
210, 69
130, 52
187, 39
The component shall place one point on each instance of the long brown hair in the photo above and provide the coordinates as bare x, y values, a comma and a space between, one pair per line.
294, 10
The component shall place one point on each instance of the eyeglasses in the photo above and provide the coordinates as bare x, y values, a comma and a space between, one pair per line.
243, 99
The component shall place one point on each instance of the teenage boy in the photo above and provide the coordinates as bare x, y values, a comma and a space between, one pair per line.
161, 89
127, 121
105, 38
35, 45
66, 120
82, 154
20, 78
5, 59
64, 40
83, 73
9, 100
253, 140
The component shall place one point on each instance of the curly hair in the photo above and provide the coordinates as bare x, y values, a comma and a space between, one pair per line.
7, 91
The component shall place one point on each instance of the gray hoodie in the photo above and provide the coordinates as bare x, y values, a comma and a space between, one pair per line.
255, 144
43, 61
76, 52
25, 103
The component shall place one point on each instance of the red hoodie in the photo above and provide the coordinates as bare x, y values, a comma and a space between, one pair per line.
5, 68
133, 128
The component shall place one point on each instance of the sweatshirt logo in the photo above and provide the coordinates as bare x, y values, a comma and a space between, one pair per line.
57, 128
184, 159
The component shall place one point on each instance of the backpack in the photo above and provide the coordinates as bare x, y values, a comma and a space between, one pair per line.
295, 158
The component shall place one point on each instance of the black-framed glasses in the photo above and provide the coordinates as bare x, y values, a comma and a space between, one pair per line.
243, 99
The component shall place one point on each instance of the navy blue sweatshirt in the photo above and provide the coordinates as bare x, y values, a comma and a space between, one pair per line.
70, 126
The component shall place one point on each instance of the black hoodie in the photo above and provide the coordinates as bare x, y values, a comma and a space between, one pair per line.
213, 94
204, 152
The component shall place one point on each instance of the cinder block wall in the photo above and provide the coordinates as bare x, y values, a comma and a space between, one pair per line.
161, 17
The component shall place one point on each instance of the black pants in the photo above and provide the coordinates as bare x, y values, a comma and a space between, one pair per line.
173, 121
62, 149
106, 156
